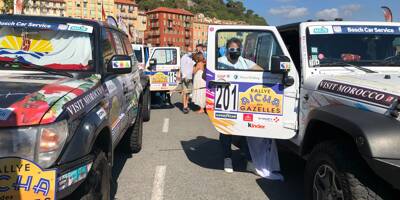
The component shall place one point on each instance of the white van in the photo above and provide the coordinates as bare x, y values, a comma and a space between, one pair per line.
163, 67
142, 54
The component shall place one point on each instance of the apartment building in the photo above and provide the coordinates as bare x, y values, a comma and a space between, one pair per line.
45, 7
170, 27
200, 27
88, 9
127, 11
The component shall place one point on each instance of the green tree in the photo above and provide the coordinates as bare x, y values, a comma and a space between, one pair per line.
9, 5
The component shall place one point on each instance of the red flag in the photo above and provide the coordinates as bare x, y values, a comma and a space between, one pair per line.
103, 13
387, 13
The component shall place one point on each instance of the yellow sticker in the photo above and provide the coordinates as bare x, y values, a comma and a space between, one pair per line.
260, 99
159, 78
22, 179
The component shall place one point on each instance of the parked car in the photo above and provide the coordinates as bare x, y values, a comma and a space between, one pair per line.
70, 93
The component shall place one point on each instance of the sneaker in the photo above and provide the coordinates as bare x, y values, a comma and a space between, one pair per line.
228, 165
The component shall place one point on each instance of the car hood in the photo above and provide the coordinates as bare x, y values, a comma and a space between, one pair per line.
376, 88
31, 98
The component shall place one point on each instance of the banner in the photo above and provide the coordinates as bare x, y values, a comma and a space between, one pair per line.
387, 13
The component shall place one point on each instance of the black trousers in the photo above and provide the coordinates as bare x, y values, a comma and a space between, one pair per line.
226, 143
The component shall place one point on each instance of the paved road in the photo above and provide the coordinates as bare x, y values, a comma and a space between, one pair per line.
181, 159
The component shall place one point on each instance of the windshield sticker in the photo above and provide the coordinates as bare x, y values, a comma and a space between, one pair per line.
320, 30
365, 94
80, 28
314, 50
266, 99
313, 62
46, 25
24, 179
367, 30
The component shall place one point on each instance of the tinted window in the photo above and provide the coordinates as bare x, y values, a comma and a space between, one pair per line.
138, 54
108, 45
118, 43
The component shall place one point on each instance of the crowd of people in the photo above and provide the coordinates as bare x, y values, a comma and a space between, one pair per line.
260, 153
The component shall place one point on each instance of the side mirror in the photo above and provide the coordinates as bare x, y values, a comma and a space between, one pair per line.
280, 64
120, 64
152, 64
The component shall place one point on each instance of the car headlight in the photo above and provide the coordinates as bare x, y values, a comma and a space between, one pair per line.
42, 144
51, 141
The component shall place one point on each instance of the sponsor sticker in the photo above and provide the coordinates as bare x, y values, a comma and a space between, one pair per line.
101, 113
80, 28
86, 100
73, 176
24, 180
284, 65
320, 30
253, 125
265, 99
121, 64
5, 113
366, 94
111, 87
226, 115
248, 117
314, 50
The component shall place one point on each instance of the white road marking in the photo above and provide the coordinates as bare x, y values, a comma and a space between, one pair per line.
165, 125
158, 184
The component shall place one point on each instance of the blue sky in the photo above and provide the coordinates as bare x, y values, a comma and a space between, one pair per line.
278, 12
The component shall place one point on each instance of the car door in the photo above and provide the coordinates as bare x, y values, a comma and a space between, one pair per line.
243, 96
118, 89
163, 76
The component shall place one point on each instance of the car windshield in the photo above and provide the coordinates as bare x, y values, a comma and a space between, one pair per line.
51, 45
357, 45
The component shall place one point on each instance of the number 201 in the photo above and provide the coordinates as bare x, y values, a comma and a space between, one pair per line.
226, 97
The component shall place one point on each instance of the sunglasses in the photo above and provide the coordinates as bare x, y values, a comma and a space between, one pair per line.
234, 49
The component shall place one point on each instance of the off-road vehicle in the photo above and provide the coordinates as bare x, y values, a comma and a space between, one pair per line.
69, 94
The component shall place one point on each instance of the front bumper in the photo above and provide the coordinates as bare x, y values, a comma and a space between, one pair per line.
387, 169
71, 175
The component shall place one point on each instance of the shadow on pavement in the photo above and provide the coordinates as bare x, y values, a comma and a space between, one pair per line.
192, 106
207, 153
120, 159
292, 168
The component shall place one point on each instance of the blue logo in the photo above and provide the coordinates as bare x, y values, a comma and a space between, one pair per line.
321, 30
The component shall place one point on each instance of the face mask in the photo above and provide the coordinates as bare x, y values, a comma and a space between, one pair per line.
234, 53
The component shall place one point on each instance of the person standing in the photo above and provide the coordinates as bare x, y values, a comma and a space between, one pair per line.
186, 75
199, 84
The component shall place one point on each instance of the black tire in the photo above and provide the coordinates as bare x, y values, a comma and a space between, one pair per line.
336, 170
146, 104
97, 183
133, 136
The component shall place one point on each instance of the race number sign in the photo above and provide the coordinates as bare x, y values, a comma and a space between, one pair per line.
22, 179
163, 81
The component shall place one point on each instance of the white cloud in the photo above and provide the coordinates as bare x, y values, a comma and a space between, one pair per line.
289, 11
348, 10
329, 13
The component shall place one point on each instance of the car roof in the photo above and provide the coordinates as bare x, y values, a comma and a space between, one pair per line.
93, 23
296, 26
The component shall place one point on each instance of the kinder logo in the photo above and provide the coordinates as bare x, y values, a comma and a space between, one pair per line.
251, 125
248, 117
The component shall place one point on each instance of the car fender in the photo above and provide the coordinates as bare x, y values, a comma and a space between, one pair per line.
85, 135
375, 135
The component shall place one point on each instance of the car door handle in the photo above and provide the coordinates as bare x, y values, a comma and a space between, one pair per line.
218, 83
306, 97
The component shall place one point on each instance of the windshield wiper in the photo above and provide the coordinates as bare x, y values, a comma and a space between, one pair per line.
48, 70
340, 62
391, 60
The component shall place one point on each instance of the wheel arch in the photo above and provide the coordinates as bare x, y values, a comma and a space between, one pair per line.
374, 134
